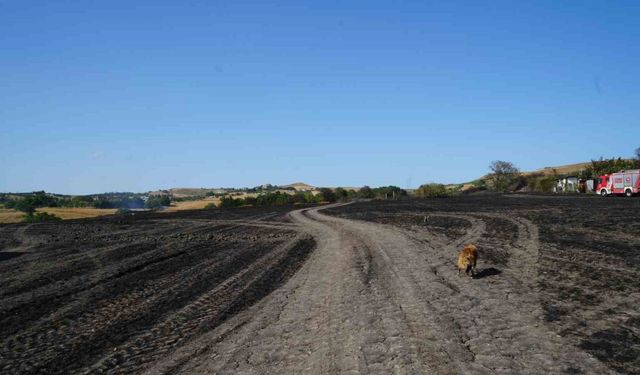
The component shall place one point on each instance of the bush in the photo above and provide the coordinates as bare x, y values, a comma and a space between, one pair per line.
432, 191
227, 202
39, 217
123, 211
365, 192
341, 194
209, 206
545, 185
273, 199
250, 201
157, 201
327, 195
301, 198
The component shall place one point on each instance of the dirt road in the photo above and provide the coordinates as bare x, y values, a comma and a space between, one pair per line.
375, 298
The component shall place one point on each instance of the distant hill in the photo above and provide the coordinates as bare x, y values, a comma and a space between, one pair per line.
191, 192
546, 171
562, 169
300, 186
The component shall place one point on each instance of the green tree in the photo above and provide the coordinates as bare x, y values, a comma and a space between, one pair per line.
607, 166
341, 194
504, 175
389, 192
327, 195
157, 201
365, 192
26, 205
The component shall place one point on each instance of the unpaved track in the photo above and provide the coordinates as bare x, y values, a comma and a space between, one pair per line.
374, 298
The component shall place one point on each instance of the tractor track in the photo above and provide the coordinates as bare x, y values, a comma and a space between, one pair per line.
369, 287
112, 296
375, 298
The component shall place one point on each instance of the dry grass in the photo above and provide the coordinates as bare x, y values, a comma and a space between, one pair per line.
562, 169
12, 216
191, 205
77, 213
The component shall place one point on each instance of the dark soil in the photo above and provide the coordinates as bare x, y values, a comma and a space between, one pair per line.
116, 293
588, 274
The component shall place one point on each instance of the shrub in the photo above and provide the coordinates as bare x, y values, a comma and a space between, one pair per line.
545, 184
341, 194
327, 195
157, 201
273, 199
432, 191
39, 217
250, 201
227, 202
209, 206
365, 192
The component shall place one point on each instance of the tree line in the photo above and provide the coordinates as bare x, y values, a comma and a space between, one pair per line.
324, 195
28, 203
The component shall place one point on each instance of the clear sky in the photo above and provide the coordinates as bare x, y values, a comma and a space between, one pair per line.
141, 95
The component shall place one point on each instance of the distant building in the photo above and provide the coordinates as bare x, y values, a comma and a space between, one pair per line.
567, 184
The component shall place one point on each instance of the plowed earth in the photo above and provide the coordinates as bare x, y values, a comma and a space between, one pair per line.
369, 287
118, 294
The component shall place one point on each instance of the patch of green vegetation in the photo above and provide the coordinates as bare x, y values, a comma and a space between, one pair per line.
157, 201
40, 217
432, 190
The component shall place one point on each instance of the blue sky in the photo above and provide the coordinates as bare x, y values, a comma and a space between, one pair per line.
137, 96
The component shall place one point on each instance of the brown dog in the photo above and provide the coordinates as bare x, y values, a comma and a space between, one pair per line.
467, 260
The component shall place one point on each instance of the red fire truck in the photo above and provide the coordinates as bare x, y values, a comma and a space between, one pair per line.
623, 182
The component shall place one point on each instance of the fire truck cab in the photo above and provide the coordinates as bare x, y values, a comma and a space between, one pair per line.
623, 182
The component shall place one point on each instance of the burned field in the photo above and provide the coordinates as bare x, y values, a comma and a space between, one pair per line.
366, 287
118, 293
587, 266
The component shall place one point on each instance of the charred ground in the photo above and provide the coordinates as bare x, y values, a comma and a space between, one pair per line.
116, 293
588, 274
244, 290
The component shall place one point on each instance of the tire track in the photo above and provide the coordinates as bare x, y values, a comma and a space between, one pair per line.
120, 317
373, 299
